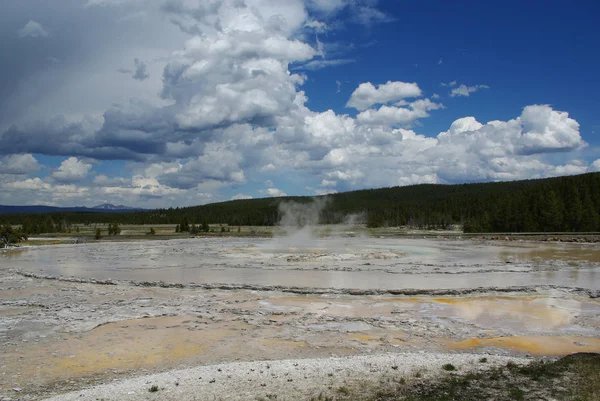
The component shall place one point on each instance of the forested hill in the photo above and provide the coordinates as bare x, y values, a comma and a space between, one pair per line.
554, 204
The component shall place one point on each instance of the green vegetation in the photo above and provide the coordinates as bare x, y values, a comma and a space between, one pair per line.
449, 367
114, 229
10, 236
567, 204
153, 389
573, 378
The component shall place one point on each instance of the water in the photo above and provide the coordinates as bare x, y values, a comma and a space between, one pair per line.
361, 263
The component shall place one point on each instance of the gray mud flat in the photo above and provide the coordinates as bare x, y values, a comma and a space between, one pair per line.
357, 263
77, 316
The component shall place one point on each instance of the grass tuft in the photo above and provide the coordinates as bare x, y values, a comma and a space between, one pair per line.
449, 367
573, 378
515, 393
343, 391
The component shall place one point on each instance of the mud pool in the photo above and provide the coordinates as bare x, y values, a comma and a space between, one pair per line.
60, 330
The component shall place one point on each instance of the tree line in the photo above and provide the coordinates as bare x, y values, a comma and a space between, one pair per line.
570, 204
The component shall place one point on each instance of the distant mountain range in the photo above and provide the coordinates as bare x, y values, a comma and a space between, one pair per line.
103, 208
110, 206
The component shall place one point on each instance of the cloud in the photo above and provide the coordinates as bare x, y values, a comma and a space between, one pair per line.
241, 197
250, 16
19, 164
268, 167
274, 192
321, 192
326, 6
112, 3
33, 30
547, 130
104, 181
35, 184
367, 95
539, 129
452, 83
320, 64
140, 73
217, 163
464, 90
71, 170
36, 190
221, 105
237, 71
595, 165
364, 155
392, 115
328, 126
367, 15
363, 12
318, 26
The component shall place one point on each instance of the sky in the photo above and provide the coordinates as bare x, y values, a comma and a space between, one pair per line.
170, 103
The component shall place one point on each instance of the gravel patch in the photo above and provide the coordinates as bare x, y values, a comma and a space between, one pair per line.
284, 379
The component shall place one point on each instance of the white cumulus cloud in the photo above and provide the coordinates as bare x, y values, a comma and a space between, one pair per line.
241, 196
392, 115
274, 192
19, 164
367, 95
71, 170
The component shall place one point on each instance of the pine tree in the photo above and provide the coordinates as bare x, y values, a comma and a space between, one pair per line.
590, 220
574, 208
184, 226
551, 212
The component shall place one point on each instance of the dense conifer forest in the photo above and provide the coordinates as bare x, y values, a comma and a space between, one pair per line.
561, 204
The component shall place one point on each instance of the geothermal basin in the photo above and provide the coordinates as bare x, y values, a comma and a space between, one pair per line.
358, 263
77, 315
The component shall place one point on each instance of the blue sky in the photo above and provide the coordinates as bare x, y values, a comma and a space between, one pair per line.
181, 102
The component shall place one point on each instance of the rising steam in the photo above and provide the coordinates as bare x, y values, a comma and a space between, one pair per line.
299, 225
300, 229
